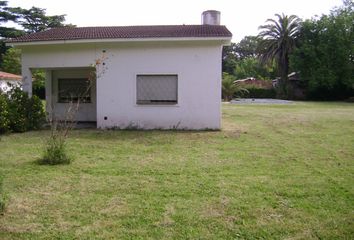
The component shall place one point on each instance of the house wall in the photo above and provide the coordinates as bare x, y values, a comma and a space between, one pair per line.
197, 64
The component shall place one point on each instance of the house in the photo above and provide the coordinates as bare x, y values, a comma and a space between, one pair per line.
149, 77
9, 80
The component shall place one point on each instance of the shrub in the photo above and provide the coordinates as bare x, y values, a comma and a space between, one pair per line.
55, 151
18, 100
35, 113
39, 89
261, 93
24, 113
4, 114
230, 88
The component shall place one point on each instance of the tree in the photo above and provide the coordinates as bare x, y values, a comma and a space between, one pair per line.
31, 20
278, 40
7, 15
231, 89
325, 56
36, 20
7, 32
251, 67
229, 58
247, 47
11, 61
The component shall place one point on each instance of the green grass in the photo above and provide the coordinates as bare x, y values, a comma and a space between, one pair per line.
273, 172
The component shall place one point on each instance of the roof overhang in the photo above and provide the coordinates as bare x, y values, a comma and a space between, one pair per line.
223, 41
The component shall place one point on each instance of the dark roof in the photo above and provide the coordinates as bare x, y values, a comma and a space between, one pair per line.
125, 32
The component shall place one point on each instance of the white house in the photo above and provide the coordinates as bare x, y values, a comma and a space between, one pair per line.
9, 80
148, 77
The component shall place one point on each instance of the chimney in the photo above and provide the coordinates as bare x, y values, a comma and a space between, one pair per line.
211, 17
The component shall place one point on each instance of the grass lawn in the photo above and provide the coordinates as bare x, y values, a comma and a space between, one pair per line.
273, 172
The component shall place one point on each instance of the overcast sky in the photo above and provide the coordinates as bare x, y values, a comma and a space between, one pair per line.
242, 17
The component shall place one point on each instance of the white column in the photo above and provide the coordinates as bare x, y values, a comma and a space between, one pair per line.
27, 80
48, 90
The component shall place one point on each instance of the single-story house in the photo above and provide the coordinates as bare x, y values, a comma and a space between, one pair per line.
9, 80
148, 77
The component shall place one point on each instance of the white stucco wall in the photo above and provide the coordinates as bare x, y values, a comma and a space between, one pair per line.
197, 64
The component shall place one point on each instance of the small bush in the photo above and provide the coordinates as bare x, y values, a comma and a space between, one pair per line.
35, 113
18, 100
4, 114
55, 152
2, 197
22, 113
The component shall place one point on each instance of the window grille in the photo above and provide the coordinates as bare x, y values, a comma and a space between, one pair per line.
73, 90
156, 89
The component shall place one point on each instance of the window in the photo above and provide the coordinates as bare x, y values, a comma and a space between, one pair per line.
73, 90
156, 89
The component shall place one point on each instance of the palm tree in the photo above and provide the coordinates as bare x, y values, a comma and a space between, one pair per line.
231, 88
278, 38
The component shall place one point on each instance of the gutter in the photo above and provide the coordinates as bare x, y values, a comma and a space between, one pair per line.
224, 41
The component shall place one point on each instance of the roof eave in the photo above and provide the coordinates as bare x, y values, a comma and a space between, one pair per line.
224, 40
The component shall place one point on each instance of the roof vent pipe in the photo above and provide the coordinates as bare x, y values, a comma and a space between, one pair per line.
211, 17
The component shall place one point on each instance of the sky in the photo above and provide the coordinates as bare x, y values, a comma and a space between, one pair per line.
242, 17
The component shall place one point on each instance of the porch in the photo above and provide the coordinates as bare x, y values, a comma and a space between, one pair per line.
71, 93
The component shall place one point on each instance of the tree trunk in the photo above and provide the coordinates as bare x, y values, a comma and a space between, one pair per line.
282, 91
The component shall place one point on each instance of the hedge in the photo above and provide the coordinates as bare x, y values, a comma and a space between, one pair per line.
261, 93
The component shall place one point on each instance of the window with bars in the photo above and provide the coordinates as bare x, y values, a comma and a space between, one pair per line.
74, 90
156, 89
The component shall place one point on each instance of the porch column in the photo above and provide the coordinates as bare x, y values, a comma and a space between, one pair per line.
27, 80
49, 90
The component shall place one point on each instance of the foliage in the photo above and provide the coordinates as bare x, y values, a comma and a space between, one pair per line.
4, 114
18, 102
278, 39
35, 113
254, 92
251, 67
6, 32
38, 84
31, 20
35, 19
12, 64
325, 57
7, 15
240, 59
247, 47
230, 89
231, 55
19, 113
55, 151
11, 61
229, 58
